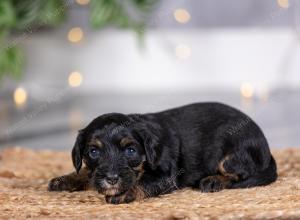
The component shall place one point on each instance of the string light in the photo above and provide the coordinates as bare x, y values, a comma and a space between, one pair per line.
182, 15
75, 79
83, 2
283, 3
20, 96
247, 90
182, 51
75, 35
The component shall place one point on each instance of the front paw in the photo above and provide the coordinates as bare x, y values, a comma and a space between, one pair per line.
133, 194
213, 183
59, 184
127, 197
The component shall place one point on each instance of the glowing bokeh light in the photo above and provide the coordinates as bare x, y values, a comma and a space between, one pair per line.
20, 96
247, 90
83, 2
283, 3
75, 79
182, 15
75, 35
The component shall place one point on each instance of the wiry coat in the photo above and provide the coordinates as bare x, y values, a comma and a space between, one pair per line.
209, 146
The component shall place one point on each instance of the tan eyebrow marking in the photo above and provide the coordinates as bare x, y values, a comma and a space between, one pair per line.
96, 142
125, 141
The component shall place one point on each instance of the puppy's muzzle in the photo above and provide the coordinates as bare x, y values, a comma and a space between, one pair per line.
112, 179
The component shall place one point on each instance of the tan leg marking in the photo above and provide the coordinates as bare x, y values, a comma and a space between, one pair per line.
214, 183
223, 171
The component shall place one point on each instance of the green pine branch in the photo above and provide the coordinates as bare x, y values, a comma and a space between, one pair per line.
21, 15
24, 15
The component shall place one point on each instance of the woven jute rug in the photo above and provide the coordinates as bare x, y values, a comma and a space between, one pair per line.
24, 175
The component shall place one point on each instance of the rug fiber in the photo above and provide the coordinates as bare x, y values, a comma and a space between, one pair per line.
24, 175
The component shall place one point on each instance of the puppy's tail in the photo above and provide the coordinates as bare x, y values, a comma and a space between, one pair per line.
262, 178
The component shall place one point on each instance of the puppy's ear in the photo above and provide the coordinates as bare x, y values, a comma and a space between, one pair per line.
77, 152
149, 135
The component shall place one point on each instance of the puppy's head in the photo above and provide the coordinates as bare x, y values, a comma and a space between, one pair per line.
116, 149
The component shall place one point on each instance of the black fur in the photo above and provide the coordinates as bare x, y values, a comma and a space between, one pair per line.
207, 146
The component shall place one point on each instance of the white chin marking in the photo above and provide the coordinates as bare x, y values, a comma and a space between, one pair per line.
108, 189
111, 191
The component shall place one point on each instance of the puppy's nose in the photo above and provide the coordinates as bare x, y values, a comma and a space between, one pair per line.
112, 179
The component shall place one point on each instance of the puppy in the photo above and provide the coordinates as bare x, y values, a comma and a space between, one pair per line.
206, 146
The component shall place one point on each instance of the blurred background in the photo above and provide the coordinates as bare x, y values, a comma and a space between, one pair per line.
63, 63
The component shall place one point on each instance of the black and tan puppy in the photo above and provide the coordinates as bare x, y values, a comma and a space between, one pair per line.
207, 146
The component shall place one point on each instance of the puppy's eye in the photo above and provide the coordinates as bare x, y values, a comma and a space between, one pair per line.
94, 153
130, 151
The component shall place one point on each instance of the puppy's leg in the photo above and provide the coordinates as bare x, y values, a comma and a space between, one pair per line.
215, 183
224, 179
251, 174
71, 182
236, 171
